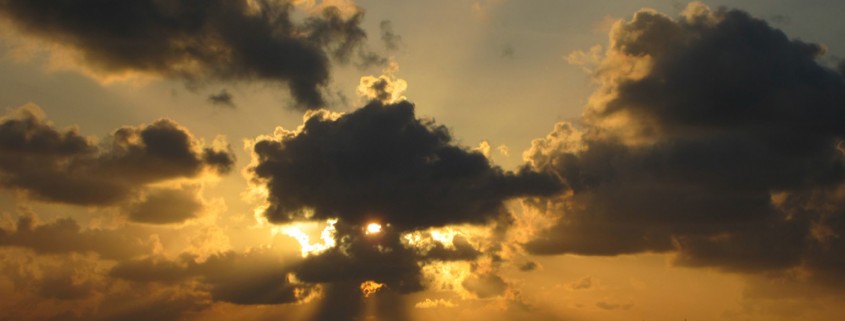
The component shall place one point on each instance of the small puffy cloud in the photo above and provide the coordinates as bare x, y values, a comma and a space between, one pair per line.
386, 88
222, 98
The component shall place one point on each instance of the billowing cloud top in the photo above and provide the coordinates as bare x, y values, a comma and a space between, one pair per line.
712, 134
200, 40
382, 163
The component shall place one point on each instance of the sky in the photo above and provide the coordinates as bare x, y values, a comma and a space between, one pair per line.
421, 160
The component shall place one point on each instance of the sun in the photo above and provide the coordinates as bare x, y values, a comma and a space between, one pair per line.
373, 228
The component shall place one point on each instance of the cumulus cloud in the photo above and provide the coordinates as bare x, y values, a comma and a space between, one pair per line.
62, 166
382, 163
238, 40
712, 134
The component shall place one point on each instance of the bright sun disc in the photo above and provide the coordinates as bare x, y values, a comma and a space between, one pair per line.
373, 228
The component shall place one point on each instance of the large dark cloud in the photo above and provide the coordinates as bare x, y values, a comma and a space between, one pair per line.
63, 166
200, 40
713, 134
382, 163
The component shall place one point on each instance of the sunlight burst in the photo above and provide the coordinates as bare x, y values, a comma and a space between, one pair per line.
373, 228
369, 288
327, 236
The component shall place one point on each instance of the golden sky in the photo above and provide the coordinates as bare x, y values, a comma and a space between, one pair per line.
421, 160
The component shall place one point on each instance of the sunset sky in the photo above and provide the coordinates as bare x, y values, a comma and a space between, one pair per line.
421, 160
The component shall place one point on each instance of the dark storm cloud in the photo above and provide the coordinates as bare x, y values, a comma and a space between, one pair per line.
258, 277
382, 163
727, 148
66, 236
222, 98
63, 166
200, 40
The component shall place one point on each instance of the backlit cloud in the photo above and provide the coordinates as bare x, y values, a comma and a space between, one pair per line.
712, 134
240, 40
63, 166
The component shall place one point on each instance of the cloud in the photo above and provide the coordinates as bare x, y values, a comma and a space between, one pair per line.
167, 205
711, 134
430, 304
359, 258
66, 236
241, 40
485, 285
62, 166
222, 98
386, 88
392, 41
382, 163
250, 278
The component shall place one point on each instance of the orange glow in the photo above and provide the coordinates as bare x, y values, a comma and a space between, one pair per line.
369, 288
373, 228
